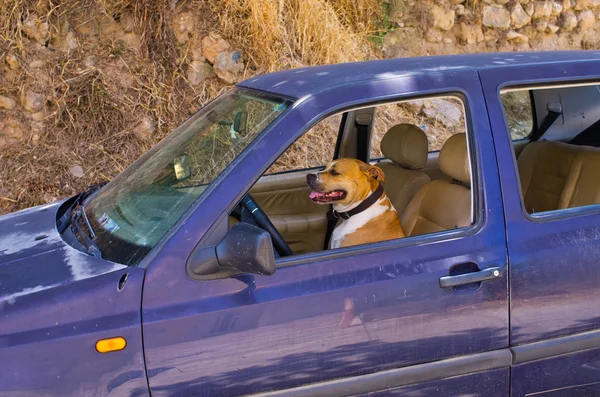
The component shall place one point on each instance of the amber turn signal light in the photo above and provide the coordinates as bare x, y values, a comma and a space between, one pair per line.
111, 344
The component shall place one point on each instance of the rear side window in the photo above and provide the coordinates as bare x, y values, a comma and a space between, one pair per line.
517, 107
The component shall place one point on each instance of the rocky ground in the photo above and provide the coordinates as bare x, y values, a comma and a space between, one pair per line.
87, 86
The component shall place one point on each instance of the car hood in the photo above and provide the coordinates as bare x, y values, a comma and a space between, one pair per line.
34, 257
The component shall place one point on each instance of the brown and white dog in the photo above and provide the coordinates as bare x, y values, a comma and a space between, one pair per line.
354, 188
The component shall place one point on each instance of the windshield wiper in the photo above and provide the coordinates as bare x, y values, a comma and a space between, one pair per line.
65, 219
85, 238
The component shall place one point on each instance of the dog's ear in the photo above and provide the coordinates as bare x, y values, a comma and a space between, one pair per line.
373, 171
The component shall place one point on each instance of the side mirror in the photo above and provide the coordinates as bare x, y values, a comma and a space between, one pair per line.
244, 249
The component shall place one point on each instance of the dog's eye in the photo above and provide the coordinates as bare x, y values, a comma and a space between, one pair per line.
333, 172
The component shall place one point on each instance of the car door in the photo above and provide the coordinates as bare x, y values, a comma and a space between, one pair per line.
275, 334
554, 277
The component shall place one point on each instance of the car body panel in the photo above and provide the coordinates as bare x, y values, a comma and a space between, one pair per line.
256, 333
55, 303
553, 257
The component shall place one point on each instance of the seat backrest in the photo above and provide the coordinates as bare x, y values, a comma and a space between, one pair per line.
583, 184
544, 168
406, 146
441, 204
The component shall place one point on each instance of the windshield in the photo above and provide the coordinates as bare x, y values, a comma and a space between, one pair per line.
136, 209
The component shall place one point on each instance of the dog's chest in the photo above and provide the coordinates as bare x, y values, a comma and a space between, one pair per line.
349, 226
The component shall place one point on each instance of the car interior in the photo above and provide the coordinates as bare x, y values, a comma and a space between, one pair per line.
559, 158
417, 177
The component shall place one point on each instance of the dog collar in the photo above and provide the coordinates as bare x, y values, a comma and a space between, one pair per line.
369, 201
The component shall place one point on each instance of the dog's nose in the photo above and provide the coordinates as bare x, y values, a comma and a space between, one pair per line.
311, 178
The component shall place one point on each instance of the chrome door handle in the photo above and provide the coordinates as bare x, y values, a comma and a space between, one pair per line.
490, 273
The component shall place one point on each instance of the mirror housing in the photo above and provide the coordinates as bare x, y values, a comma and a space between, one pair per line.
244, 249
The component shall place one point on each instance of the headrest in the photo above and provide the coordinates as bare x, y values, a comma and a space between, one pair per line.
405, 144
454, 158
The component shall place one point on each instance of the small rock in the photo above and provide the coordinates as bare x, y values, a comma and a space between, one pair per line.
12, 62
90, 61
38, 116
7, 103
434, 36
76, 171
442, 111
212, 45
441, 18
541, 26
583, 4
556, 9
185, 26
198, 71
32, 101
35, 29
415, 105
502, 2
569, 21
523, 2
516, 37
530, 9
145, 129
566, 5
37, 64
447, 40
35, 138
11, 132
470, 34
552, 28
542, 9
496, 17
586, 20
459, 9
71, 41
228, 66
519, 16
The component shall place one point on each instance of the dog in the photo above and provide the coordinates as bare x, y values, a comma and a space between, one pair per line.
355, 189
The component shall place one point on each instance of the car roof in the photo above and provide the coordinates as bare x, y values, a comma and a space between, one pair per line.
297, 83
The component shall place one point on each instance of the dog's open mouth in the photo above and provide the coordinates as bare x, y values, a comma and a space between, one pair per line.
327, 197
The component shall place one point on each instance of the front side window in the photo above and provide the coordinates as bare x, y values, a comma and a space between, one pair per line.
137, 208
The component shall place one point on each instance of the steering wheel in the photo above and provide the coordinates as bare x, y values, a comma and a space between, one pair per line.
262, 220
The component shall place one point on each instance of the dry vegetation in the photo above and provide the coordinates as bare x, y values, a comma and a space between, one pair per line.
126, 69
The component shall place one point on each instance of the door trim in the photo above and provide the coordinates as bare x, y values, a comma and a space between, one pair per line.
401, 376
555, 347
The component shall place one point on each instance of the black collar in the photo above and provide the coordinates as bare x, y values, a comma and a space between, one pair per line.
369, 201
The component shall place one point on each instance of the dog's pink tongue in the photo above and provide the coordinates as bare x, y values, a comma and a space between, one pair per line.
314, 194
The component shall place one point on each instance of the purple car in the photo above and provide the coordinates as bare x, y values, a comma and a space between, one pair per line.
205, 269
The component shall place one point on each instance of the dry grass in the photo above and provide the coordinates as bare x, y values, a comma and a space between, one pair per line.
97, 93
300, 32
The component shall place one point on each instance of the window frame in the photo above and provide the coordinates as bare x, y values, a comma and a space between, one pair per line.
552, 215
477, 199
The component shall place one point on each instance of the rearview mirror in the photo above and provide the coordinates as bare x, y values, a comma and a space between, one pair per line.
181, 166
244, 249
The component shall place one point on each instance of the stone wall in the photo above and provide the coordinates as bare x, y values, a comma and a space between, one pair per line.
454, 26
